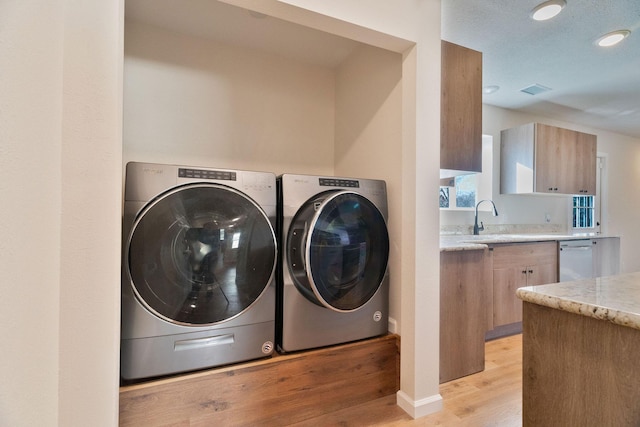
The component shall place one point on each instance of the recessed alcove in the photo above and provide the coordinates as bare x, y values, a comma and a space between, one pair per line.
214, 84
211, 84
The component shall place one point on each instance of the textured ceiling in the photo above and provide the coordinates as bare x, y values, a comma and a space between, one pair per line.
590, 85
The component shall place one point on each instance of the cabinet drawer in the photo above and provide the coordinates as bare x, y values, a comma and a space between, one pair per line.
521, 254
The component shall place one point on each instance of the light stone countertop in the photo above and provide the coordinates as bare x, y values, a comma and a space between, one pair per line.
615, 299
465, 242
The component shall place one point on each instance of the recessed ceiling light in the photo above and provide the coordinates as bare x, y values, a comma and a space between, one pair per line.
547, 10
612, 38
487, 90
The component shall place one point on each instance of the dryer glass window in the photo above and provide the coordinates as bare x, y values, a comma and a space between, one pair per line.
348, 250
201, 254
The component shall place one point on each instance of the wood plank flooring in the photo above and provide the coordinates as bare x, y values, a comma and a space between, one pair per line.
489, 398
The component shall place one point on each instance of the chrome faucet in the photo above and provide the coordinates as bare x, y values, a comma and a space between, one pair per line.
477, 229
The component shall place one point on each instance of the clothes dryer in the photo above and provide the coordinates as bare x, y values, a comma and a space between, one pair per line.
199, 261
333, 283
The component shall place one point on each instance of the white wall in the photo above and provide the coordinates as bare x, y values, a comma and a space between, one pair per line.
30, 141
193, 101
60, 145
620, 201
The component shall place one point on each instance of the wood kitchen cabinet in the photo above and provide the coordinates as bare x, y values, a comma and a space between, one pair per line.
517, 265
538, 158
581, 370
461, 110
465, 295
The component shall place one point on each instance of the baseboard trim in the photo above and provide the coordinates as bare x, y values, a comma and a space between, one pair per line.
419, 408
393, 326
504, 331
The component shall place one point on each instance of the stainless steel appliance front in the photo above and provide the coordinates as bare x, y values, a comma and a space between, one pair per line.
199, 258
333, 284
576, 260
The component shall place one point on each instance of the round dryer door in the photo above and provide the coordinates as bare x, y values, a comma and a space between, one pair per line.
201, 254
338, 249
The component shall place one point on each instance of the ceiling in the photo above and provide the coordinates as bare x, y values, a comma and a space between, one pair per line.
590, 85
240, 27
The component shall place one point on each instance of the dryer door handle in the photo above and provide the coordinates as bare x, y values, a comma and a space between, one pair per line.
296, 251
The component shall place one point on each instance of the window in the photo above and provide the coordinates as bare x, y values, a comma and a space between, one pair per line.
463, 191
460, 192
586, 211
444, 197
583, 212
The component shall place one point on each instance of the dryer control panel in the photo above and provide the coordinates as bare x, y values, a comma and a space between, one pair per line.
336, 182
206, 174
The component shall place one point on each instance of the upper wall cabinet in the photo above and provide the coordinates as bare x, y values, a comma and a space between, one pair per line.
461, 111
537, 158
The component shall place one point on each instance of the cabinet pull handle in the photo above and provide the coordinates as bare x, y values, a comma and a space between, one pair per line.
530, 271
524, 271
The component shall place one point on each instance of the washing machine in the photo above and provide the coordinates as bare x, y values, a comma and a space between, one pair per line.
199, 262
333, 283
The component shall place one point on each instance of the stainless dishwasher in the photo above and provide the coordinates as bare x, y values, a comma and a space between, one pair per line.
576, 259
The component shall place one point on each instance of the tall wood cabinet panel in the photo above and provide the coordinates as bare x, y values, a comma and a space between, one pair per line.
464, 301
515, 266
538, 158
586, 158
461, 110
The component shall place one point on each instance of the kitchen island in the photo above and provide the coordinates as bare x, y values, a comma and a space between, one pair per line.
581, 352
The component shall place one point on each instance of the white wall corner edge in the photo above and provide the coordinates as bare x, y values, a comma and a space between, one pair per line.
419, 408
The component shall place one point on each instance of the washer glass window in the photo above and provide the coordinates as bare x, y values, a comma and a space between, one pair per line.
346, 250
201, 254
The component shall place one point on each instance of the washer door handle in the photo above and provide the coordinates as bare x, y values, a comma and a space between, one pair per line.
296, 251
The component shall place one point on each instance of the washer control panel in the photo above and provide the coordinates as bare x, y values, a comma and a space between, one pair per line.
206, 174
336, 182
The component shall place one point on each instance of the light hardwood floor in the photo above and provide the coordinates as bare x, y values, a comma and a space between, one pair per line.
489, 398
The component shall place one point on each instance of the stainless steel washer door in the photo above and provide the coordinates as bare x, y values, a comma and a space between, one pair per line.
200, 254
338, 250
